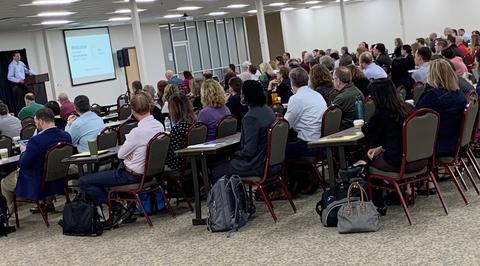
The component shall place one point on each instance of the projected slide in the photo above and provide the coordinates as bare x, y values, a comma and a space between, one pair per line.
89, 55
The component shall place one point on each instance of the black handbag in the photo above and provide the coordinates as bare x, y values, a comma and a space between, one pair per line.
81, 218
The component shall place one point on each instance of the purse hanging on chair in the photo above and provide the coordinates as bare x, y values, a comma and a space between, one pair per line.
357, 216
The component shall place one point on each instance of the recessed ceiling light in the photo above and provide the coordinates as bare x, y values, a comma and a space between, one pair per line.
119, 19
173, 16
312, 2
55, 22
55, 14
126, 11
53, 2
288, 8
252, 11
220, 13
315, 7
277, 4
237, 6
188, 8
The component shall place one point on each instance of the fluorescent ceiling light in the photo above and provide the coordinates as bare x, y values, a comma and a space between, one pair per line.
338, 1
53, 2
173, 16
126, 11
288, 8
252, 11
237, 6
55, 22
55, 14
277, 4
188, 8
312, 2
315, 7
119, 19
141, 1
220, 13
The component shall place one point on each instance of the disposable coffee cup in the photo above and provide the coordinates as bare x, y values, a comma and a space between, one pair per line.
358, 123
411, 102
16, 139
92, 146
4, 153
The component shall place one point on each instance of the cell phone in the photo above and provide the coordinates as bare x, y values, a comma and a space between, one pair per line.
23, 142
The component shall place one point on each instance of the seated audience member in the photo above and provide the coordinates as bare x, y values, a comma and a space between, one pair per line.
422, 58
156, 111
451, 45
182, 117
381, 57
254, 73
55, 107
234, 102
461, 46
26, 181
132, 152
408, 56
431, 38
346, 96
281, 85
207, 75
267, 74
286, 57
85, 127
334, 55
304, 114
273, 65
279, 61
172, 79
443, 95
398, 48
214, 109
137, 87
169, 91
231, 73
31, 107
195, 95
400, 75
188, 77
415, 46
370, 69
328, 62
363, 45
321, 81
245, 75
459, 66
307, 59
359, 79
345, 60
66, 106
160, 91
250, 160
10, 126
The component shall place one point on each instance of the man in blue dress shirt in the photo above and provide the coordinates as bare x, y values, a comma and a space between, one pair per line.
17, 71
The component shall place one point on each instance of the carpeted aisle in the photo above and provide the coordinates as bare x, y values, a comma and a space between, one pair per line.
434, 239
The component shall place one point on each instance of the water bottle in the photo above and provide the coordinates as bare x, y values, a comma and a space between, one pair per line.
359, 108
168, 125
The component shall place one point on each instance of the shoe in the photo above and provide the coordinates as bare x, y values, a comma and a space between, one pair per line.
382, 211
49, 207
130, 216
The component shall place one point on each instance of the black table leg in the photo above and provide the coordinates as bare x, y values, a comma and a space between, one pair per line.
331, 167
206, 181
341, 157
80, 170
196, 188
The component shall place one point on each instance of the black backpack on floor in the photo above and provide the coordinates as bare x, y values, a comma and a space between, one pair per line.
81, 218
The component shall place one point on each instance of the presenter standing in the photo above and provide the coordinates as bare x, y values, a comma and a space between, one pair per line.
17, 72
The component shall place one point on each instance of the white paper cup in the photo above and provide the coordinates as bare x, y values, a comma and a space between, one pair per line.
358, 123
4, 153
16, 139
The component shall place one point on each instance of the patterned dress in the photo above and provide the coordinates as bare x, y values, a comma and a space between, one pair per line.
177, 142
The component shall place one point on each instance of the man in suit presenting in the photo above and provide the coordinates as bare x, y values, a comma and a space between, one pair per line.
17, 72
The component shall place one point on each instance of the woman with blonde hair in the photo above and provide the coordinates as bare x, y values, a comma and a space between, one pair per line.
442, 94
214, 109
167, 93
398, 48
267, 74
196, 86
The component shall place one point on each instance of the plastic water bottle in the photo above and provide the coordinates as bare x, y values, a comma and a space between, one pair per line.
168, 125
359, 107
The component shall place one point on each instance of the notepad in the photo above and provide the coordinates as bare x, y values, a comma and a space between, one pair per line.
340, 138
210, 144
87, 153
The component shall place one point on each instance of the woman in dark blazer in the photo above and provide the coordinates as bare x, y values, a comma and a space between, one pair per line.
250, 160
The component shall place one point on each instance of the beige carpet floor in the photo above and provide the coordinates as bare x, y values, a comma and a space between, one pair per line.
297, 239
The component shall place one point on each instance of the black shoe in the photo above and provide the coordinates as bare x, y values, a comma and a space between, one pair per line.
130, 217
382, 211
49, 207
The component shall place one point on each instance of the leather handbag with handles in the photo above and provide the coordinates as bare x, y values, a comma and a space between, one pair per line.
357, 216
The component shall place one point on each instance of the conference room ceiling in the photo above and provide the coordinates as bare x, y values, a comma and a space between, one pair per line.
21, 15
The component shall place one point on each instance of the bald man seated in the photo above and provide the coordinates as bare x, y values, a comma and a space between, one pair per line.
173, 79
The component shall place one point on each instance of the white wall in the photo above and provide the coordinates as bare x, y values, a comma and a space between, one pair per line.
375, 21
102, 92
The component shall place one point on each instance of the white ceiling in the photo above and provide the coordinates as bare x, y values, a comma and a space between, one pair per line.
18, 15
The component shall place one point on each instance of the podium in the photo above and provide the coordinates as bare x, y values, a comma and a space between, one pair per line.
36, 85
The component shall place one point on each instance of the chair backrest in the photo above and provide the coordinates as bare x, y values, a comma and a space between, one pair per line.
107, 139
157, 150
278, 110
331, 120
96, 108
121, 100
27, 121
27, 131
402, 92
54, 169
227, 126
418, 90
277, 142
369, 109
124, 129
420, 131
6, 143
197, 134
468, 125
124, 112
